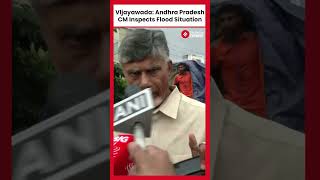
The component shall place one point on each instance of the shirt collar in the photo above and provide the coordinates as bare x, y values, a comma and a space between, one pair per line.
171, 104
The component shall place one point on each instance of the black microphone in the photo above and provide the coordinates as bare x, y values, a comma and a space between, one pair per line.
138, 128
131, 90
133, 114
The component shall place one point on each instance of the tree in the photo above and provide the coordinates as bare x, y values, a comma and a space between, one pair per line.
119, 83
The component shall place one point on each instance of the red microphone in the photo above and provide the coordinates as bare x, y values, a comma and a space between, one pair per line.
122, 163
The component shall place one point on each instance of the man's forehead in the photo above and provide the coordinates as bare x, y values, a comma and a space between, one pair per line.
146, 63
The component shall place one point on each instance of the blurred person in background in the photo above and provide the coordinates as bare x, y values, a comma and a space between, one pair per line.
183, 80
236, 60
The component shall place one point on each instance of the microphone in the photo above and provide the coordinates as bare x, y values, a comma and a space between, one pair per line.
131, 90
138, 130
122, 163
133, 114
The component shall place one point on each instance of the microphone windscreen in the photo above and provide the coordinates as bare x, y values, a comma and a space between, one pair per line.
131, 90
122, 162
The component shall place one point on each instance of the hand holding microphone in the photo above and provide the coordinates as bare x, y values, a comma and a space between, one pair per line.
131, 159
133, 116
150, 161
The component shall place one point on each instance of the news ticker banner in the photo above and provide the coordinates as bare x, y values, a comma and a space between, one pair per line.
133, 15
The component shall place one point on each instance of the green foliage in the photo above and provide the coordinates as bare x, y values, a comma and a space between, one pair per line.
119, 83
31, 68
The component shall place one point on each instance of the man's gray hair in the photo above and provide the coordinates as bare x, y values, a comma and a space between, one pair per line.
142, 43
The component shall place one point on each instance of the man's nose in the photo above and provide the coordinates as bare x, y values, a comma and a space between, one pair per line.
145, 81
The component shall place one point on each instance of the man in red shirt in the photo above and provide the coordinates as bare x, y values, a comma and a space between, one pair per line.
236, 59
183, 80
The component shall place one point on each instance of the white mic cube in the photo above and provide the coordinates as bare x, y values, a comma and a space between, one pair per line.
137, 108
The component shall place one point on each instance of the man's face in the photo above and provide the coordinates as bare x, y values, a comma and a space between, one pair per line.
150, 73
77, 38
229, 22
181, 69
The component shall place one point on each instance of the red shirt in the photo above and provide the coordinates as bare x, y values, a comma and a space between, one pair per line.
184, 81
242, 72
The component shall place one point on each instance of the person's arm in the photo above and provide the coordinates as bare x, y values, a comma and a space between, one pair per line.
198, 150
191, 84
176, 82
